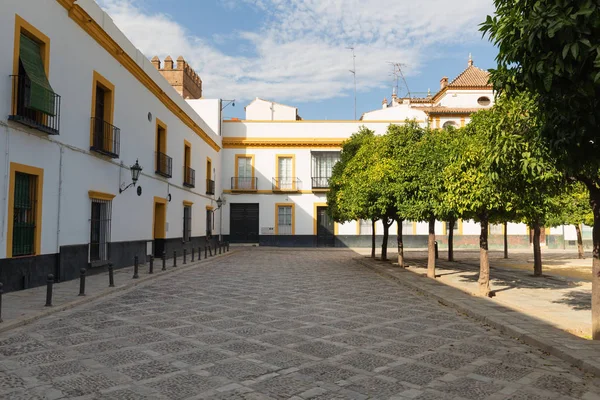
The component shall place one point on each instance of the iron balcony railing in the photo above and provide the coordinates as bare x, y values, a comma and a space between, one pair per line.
106, 138
164, 165
242, 183
34, 105
189, 177
287, 184
320, 182
210, 186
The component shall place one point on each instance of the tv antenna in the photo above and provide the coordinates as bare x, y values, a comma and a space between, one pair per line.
353, 72
398, 74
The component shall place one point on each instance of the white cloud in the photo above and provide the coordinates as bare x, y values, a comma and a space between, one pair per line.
299, 54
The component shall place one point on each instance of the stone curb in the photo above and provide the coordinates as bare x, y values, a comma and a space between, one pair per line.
583, 354
19, 322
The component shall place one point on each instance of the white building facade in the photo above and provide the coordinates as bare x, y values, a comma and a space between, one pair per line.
80, 105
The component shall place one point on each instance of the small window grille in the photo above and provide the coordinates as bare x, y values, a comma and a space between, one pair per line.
100, 230
284, 220
24, 224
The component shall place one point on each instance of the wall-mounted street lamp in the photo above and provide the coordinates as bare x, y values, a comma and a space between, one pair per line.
135, 169
232, 102
220, 202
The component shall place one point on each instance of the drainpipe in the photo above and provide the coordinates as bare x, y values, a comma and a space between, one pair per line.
60, 181
5, 186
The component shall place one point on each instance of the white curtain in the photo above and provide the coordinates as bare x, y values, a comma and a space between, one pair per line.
244, 172
284, 220
285, 172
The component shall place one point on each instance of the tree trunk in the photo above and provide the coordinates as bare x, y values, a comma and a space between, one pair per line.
580, 252
373, 239
400, 245
505, 239
431, 249
484, 261
452, 222
537, 251
595, 203
386, 233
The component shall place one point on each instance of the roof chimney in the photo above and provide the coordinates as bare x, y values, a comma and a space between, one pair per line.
384, 103
470, 60
443, 82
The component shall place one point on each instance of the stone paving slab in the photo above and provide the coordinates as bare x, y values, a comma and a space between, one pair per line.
584, 354
276, 324
25, 306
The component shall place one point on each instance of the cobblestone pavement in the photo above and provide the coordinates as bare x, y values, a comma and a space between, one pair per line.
276, 324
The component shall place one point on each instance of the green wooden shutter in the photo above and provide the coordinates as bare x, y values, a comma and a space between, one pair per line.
41, 95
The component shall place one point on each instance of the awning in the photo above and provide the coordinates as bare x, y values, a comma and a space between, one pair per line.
40, 97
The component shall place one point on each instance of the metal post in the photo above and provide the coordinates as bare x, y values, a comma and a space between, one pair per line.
209, 250
184, 256
174, 258
111, 275
49, 283
220, 247
192, 253
216, 249
228, 247
436, 250
151, 267
1, 291
164, 260
135, 268
82, 282
199, 253
205, 251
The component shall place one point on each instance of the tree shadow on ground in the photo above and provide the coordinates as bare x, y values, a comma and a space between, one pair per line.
577, 300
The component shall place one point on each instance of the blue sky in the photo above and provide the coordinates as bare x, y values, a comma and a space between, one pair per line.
294, 51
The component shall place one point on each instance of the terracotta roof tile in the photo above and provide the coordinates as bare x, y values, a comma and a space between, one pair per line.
472, 77
450, 110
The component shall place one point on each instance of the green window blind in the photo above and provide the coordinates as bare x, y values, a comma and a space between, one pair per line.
40, 95
24, 214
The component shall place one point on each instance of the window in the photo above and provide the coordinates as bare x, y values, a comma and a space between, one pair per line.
449, 124
285, 173
322, 167
484, 101
164, 163
209, 222
24, 211
407, 227
187, 223
496, 229
285, 218
456, 230
244, 173
101, 212
210, 183
189, 175
34, 102
104, 137
365, 227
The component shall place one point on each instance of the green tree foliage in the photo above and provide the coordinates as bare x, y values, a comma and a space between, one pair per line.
552, 48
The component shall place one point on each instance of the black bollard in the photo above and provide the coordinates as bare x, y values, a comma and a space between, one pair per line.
210, 250
174, 258
1, 291
164, 260
205, 252
81, 282
436, 250
199, 253
184, 256
49, 283
192, 253
135, 268
111, 275
220, 247
151, 266
216, 249
227, 244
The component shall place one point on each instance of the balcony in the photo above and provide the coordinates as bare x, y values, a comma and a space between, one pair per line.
210, 187
105, 138
320, 182
34, 105
164, 165
189, 177
242, 184
287, 185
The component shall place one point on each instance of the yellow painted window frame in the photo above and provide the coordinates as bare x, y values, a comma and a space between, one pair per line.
93, 194
39, 173
358, 232
335, 224
163, 142
109, 103
293, 157
163, 230
236, 164
187, 154
24, 27
277, 205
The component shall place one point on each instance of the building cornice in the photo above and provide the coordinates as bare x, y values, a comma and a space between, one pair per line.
243, 142
92, 28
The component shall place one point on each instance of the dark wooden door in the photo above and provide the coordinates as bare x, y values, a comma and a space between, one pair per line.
243, 226
325, 229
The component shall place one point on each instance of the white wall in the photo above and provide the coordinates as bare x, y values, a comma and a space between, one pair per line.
264, 110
